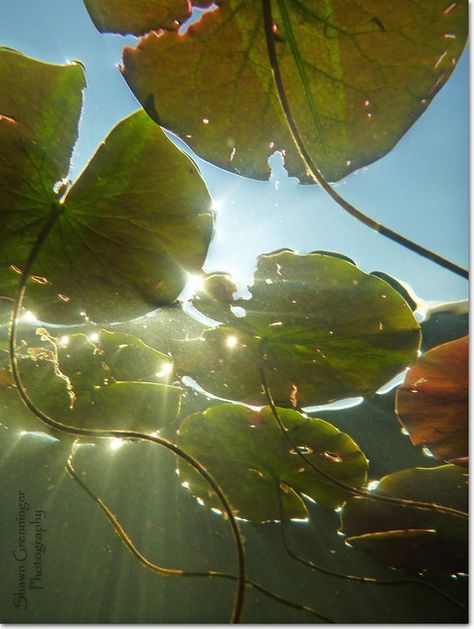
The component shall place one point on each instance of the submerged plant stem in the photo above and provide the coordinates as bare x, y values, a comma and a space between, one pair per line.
403, 502
355, 578
119, 434
174, 571
311, 167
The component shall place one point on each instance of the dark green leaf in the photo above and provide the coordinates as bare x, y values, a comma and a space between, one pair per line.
413, 539
252, 461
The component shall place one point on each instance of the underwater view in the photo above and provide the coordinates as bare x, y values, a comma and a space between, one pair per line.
233, 311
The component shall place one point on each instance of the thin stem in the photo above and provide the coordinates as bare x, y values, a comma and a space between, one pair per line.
404, 502
312, 168
355, 578
173, 571
120, 434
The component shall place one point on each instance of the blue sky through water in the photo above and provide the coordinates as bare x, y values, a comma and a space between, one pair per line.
420, 189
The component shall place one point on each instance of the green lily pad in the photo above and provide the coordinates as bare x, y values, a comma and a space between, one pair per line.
413, 539
141, 16
136, 221
252, 461
357, 77
82, 382
321, 328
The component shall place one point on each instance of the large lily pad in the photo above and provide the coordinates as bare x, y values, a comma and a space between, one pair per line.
141, 16
357, 76
321, 328
252, 461
413, 539
129, 229
432, 403
82, 382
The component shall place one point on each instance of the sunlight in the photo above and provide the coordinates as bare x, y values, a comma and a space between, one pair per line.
29, 317
195, 282
231, 341
165, 370
116, 443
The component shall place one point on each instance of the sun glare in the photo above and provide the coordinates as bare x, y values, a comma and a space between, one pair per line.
231, 341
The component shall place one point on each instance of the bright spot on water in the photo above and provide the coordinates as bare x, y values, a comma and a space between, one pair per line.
94, 337
64, 340
335, 406
372, 485
394, 382
115, 443
165, 370
216, 206
300, 520
231, 341
39, 435
29, 317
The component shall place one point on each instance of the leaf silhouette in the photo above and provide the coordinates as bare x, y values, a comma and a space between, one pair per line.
412, 539
432, 402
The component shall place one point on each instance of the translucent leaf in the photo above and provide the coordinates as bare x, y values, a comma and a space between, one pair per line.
252, 461
140, 16
357, 76
432, 403
83, 382
321, 329
137, 220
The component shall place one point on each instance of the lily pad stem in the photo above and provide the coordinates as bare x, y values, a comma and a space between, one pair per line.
175, 572
314, 171
403, 502
352, 577
118, 434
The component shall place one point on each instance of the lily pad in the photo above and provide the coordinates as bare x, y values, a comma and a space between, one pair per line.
413, 539
252, 461
432, 403
321, 328
141, 16
129, 229
357, 77
81, 382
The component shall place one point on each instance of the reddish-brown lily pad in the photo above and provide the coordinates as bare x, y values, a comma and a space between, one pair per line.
432, 403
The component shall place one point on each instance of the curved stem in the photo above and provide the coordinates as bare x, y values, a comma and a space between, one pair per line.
120, 434
404, 502
355, 578
312, 168
174, 571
